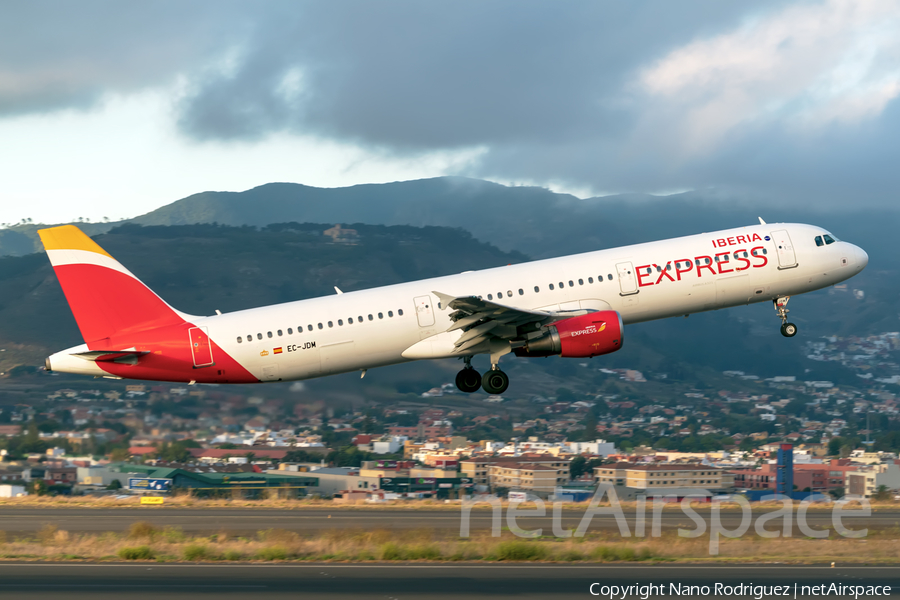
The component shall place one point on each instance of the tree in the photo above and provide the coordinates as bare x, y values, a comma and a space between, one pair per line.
577, 466
834, 446
115, 484
119, 455
846, 450
883, 494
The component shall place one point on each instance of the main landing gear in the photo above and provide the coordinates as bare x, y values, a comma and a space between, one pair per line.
495, 381
787, 329
469, 380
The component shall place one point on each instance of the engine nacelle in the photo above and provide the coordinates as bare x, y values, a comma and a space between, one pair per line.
585, 336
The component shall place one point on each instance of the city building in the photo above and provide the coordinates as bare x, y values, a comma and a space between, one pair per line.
541, 479
661, 477
477, 468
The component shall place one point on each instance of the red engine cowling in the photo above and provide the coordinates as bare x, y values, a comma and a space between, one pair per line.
589, 335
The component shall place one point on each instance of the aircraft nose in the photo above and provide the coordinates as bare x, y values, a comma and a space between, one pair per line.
862, 259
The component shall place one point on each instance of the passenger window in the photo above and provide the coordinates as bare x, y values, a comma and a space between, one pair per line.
330, 324
590, 280
320, 326
765, 251
521, 292
259, 336
550, 286
359, 319
499, 295
380, 315
269, 334
490, 296
668, 267
340, 322
509, 293
561, 285
240, 339
609, 276
390, 313
581, 282
658, 269
537, 289
350, 321
309, 327
399, 312
571, 283
291, 331
698, 262
279, 333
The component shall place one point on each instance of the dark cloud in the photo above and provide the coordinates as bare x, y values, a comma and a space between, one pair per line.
59, 55
421, 75
615, 96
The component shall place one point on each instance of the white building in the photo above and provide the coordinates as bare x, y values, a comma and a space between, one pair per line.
12, 491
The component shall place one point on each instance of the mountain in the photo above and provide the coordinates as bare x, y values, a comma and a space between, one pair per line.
531, 220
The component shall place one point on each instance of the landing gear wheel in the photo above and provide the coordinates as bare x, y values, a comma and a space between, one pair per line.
468, 380
495, 381
788, 330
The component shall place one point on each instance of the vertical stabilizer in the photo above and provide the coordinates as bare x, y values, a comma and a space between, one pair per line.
105, 297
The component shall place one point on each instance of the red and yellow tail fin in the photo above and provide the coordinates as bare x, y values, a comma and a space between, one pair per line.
104, 296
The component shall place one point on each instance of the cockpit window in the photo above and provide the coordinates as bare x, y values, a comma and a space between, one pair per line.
819, 241
828, 239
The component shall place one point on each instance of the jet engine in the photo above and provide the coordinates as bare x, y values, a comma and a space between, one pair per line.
584, 336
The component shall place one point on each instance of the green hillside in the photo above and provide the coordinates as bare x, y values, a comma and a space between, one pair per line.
201, 268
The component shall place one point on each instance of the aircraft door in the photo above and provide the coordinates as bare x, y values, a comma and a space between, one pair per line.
627, 278
786, 256
200, 347
424, 311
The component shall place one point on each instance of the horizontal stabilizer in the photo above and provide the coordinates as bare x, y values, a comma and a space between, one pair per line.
119, 356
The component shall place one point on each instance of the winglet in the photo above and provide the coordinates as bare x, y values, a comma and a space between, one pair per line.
761, 222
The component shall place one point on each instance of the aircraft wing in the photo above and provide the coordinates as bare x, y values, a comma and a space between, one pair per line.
483, 320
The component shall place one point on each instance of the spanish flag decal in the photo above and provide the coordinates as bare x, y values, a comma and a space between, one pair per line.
277, 350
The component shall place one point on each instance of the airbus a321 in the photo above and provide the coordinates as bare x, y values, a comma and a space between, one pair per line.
573, 306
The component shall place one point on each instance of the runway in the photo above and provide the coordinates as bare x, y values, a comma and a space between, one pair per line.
23, 520
409, 582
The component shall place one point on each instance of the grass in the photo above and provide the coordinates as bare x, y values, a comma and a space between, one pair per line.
144, 542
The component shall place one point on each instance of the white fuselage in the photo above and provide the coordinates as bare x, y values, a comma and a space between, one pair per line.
387, 325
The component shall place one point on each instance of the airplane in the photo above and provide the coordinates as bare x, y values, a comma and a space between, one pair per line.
574, 306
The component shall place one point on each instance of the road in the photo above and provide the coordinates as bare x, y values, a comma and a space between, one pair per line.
407, 582
240, 521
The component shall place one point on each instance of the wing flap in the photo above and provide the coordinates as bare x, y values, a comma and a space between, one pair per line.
483, 321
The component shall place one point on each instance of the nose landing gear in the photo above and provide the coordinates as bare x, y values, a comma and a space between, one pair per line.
787, 329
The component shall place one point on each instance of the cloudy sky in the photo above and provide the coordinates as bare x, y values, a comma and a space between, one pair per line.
112, 109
